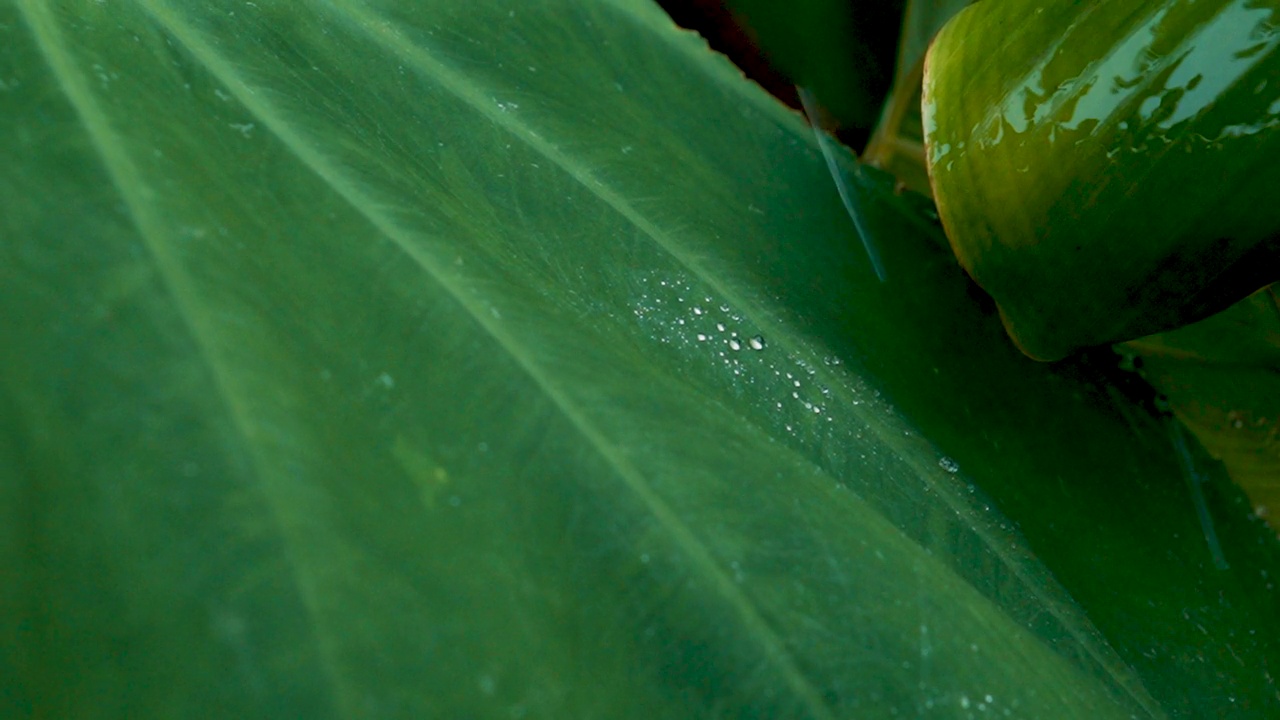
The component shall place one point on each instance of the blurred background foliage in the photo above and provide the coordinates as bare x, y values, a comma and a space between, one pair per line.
844, 51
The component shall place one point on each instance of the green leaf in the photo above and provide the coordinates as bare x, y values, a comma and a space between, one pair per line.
920, 23
496, 359
897, 145
1221, 377
842, 51
1107, 170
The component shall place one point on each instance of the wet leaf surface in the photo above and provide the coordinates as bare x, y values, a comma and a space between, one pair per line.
400, 360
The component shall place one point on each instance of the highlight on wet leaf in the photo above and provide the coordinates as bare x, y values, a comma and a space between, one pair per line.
1109, 170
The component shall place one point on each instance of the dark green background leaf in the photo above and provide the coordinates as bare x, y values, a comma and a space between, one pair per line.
842, 51
1222, 378
395, 360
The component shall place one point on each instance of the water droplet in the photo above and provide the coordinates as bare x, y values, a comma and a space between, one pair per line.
948, 464
720, 327
734, 344
702, 338
697, 310
757, 342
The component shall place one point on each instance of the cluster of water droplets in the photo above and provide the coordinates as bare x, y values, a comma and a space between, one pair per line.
709, 329
794, 388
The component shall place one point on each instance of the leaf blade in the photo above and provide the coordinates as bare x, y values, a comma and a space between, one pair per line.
522, 466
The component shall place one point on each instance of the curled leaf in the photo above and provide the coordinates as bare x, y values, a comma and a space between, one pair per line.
1108, 170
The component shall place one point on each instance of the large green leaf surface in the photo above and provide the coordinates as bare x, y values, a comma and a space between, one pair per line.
500, 359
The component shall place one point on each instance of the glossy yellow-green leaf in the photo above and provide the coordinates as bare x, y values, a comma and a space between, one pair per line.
1106, 170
